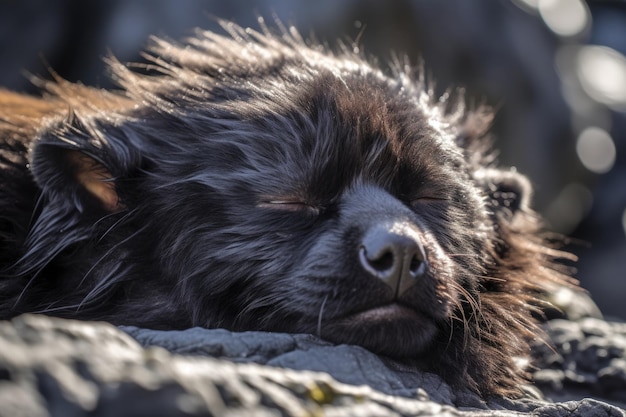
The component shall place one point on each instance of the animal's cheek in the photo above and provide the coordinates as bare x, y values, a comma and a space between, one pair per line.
457, 274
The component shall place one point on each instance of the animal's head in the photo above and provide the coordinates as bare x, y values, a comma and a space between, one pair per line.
253, 181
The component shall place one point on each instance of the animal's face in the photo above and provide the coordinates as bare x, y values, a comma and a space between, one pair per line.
345, 212
259, 183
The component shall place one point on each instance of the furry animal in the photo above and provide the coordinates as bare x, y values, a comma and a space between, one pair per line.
259, 181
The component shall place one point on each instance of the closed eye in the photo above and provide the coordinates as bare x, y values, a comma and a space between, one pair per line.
428, 200
288, 205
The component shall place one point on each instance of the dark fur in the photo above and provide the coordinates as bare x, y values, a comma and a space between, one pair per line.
237, 177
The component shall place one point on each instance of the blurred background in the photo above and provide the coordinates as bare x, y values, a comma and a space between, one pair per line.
555, 70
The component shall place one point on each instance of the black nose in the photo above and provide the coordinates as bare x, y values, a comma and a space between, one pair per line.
394, 254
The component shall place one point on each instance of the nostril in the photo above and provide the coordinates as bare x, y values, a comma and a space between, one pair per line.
378, 265
417, 266
382, 263
394, 254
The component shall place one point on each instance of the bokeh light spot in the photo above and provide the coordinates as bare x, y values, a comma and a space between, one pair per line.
569, 208
565, 17
528, 5
596, 150
602, 73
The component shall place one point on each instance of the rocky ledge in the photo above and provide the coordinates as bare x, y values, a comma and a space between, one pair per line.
53, 367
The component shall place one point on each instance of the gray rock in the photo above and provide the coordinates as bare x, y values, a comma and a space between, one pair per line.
53, 367
586, 357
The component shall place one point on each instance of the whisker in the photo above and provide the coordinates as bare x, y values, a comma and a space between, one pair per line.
112, 249
103, 284
319, 317
255, 304
35, 276
474, 306
38, 205
492, 278
51, 309
114, 225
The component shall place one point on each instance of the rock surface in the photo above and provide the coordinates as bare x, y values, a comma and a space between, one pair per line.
587, 357
52, 367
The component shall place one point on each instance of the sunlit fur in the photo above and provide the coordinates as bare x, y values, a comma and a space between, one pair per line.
200, 144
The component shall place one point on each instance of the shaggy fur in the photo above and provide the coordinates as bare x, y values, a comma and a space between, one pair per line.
247, 181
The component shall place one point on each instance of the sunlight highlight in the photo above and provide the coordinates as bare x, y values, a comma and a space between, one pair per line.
596, 150
602, 73
565, 17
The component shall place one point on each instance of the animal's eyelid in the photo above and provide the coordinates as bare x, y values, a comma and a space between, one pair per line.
288, 205
430, 192
281, 202
426, 199
285, 202
432, 197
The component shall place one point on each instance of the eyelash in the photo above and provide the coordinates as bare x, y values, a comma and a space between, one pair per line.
427, 201
296, 206
287, 205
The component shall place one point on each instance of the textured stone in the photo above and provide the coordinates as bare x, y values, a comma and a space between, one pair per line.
52, 367
588, 357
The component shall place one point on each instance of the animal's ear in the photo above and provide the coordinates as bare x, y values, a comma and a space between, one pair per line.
76, 174
81, 167
509, 192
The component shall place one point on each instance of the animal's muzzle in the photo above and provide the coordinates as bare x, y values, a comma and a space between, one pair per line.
393, 253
